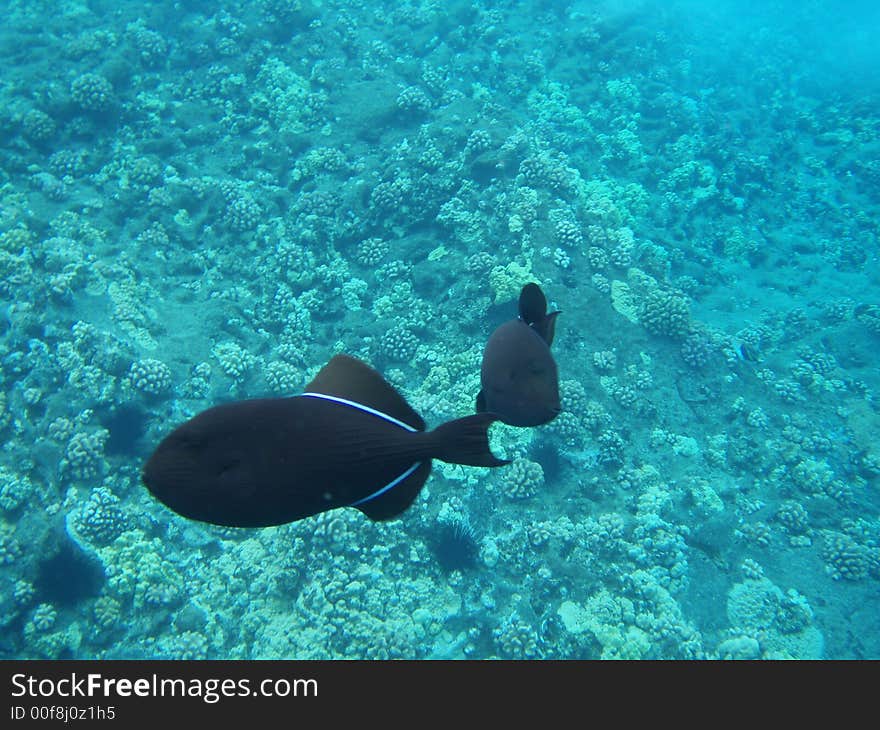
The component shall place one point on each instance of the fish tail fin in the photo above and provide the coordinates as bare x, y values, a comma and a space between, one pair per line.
466, 441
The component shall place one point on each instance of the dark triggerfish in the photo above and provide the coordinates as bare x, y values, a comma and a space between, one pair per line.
519, 378
350, 440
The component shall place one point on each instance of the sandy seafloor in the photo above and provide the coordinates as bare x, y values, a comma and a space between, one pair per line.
202, 201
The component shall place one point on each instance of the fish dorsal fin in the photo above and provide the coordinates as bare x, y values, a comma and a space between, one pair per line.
349, 378
532, 304
533, 311
393, 499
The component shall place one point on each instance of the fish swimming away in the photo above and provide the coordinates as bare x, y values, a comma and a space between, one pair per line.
519, 378
351, 440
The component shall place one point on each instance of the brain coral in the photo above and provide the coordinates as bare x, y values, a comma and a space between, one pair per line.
37, 126
523, 479
150, 376
371, 251
84, 456
844, 557
14, 489
101, 519
282, 377
515, 639
10, 549
399, 344
665, 313
92, 92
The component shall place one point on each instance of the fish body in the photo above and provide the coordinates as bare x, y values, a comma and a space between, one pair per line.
350, 440
518, 375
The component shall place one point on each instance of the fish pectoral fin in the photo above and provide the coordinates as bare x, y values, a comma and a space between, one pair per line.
481, 402
391, 502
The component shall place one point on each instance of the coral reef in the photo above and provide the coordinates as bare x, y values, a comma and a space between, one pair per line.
203, 202
150, 376
92, 92
524, 479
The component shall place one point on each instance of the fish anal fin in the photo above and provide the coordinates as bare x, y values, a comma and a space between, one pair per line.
397, 500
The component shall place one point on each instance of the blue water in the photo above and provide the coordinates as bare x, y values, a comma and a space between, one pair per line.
202, 202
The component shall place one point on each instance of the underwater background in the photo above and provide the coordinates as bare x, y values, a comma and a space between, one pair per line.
204, 201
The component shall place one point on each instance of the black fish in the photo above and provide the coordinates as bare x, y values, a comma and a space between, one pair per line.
350, 440
518, 377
